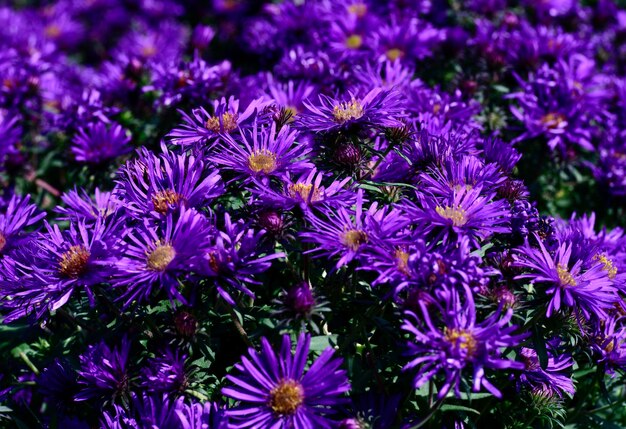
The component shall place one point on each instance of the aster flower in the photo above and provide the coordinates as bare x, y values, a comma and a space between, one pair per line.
406, 40
465, 212
97, 143
275, 391
157, 184
468, 172
345, 38
9, 135
561, 104
165, 373
80, 205
58, 383
305, 192
157, 256
609, 344
58, 264
378, 108
459, 342
104, 373
263, 152
289, 95
144, 410
205, 127
565, 280
18, 215
300, 303
189, 82
346, 233
372, 410
553, 377
234, 257
200, 416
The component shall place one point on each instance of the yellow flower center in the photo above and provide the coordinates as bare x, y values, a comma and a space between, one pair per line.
162, 200
354, 238
347, 110
456, 214
402, 259
462, 339
286, 398
161, 257
358, 9
3, 241
262, 160
553, 120
354, 42
565, 277
292, 111
73, 263
229, 122
607, 264
394, 53
303, 191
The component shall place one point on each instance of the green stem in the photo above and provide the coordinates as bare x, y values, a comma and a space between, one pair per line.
433, 410
28, 363
197, 395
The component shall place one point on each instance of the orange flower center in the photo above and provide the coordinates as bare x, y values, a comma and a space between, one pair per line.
162, 200
229, 122
553, 120
303, 191
73, 263
354, 238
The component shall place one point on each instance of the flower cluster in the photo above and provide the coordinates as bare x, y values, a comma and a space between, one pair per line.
312, 214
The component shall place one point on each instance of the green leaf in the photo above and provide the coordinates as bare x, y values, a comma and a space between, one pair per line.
322, 342
452, 407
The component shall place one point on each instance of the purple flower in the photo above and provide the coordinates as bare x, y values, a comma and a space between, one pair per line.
104, 372
305, 192
79, 205
290, 95
204, 127
97, 143
565, 279
553, 377
165, 373
457, 341
609, 344
234, 257
465, 212
16, 217
264, 152
200, 416
275, 391
145, 411
379, 108
157, 184
347, 233
157, 256
59, 263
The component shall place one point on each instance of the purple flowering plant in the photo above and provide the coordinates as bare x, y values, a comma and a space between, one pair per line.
312, 214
